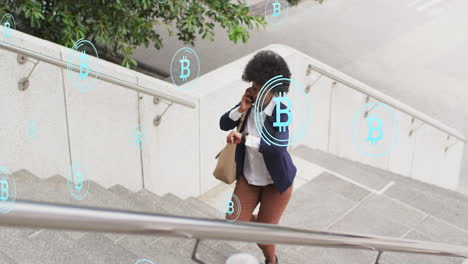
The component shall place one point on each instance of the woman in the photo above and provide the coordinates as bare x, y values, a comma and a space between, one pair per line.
264, 171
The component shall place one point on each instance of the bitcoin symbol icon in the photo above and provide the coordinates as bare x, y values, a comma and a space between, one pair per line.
84, 65
282, 125
276, 8
7, 29
230, 208
184, 68
371, 121
4, 190
79, 181
32, 129
138, 136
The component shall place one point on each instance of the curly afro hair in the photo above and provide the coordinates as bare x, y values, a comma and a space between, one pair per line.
265, 65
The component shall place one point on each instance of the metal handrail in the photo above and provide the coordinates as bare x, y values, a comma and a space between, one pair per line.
392, 102
59, 216
100, 76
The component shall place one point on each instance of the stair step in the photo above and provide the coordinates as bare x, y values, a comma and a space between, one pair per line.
161, 249
4, 258
102, 250
353, 170
25, 176
177, 206
47, 247
24, 181
404, 258
319, 255
138, 201
329, 182
202, 207
315, 208
444, 204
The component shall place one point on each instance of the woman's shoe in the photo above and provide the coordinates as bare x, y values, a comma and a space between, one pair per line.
277, 262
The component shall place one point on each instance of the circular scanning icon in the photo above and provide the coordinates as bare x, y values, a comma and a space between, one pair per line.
78, 182
7, 190
228, 206
185, 68
144, 261
278, 133
82, 70
8, 24
374, 129
276, 11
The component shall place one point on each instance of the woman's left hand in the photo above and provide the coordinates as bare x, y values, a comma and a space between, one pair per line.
234, 138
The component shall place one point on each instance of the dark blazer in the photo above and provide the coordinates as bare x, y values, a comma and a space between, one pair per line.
277, 159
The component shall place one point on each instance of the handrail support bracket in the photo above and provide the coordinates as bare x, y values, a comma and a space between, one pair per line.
158, 118
377, 260
195, 256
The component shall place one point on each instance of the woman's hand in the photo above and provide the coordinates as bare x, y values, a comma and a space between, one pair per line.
234, 138
247, 100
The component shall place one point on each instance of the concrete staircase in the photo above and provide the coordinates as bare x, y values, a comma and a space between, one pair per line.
349, 197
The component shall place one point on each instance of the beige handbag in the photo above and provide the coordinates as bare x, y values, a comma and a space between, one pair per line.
225, 170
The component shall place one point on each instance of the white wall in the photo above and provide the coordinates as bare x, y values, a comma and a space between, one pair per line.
177, 156
101, 124
43, 102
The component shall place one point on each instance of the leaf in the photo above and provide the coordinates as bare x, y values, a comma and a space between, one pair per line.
118, 27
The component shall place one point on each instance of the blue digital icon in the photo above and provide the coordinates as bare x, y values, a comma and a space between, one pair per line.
137, 137
185, 68
279, 100
232, 207
78, 182
276, 11
32, 129
8, 23
276, 8
283, 107
144, 261
80, 66
7, 190
374, 129
84, 65
4, 187
7, 29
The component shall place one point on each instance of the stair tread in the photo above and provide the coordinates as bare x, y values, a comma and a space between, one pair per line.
47, 247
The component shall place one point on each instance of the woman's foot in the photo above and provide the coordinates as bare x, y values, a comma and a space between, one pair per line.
276, 262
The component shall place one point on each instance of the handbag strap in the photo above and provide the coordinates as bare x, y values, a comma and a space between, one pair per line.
241, 122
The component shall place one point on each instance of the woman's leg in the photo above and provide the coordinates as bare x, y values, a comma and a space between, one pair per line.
272, 205
249, 197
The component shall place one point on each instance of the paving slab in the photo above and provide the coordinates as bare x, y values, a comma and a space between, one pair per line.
315, 210
364, 220
394, 210
343, 166
444, 204
406, 258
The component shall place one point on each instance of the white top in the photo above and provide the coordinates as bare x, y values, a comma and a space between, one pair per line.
255, 171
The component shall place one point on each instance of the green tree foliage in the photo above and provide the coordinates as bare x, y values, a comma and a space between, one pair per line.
117, 27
